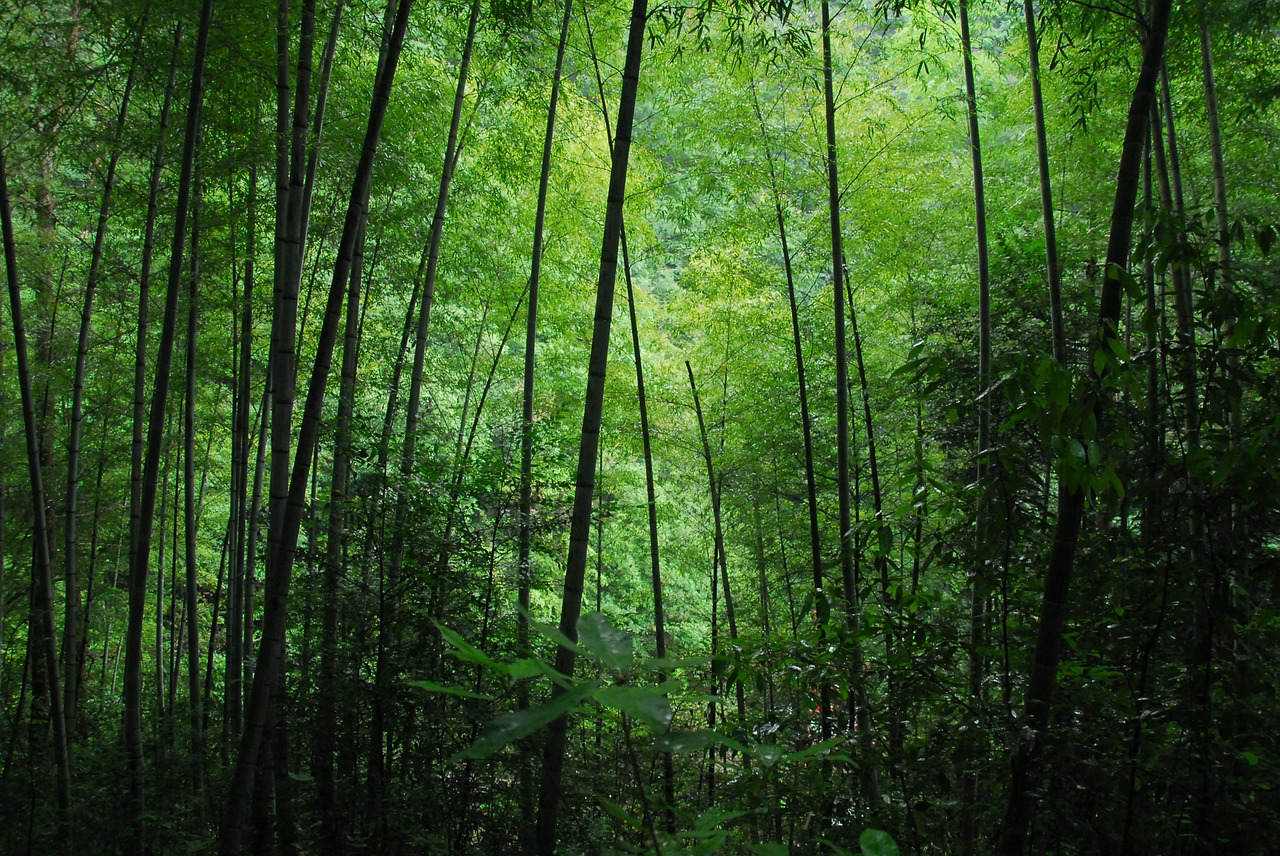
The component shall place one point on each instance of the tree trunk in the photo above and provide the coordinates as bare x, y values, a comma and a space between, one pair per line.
71, 623
1220, 210
815, 542
326, 691
659, 612
42, 574
853, 610
140, 555
979, 582
138, 587
194, 712
413, 413
721, 560
884, 537
232, 684
1071, 497
1053, 270
580, 525
524, 569
281, 568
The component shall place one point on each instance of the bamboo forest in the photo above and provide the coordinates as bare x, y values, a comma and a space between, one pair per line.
640, 426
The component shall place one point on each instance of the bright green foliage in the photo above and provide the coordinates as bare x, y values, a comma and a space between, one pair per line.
1163, 728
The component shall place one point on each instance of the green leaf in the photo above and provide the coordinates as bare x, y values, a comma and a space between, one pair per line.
468, 653
465, 650
620, 813
695, 741
510, 727
1099, 361
433, 687
876, 842
547, 631
604, 642
711, 823
521, 669
687, 741
816, 749
643, 703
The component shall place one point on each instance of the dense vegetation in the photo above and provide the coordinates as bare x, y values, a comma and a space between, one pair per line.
928, 502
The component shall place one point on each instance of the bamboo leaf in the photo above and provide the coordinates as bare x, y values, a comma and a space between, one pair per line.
510, 727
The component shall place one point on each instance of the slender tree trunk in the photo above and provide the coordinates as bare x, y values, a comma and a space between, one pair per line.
233, 682
71, 622
1220, 210
715, 486
82, 643
141, 554
284, 315
137, 587
408, 453
249, 581
1222, 217
815, 542
326, 691
651, 505
580, 525
281, 569
195, 711
1152, 508
659, 612
42, 574
1184, 327
166, 529
4, 566
980, 583
1053, 610
1053, 270
883, 538
524, 569
1183, 299
853, 610
214, 614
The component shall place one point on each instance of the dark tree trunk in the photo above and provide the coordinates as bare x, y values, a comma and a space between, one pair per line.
1053, 270
659, 613
140, 555
274, 619
526, 427
883, 536
71, 623
1071, 497
580, 525
806, 423
980, 584
194, 712
42, 573
413, 413
853, 609
138, 588
720, 558
326, 691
